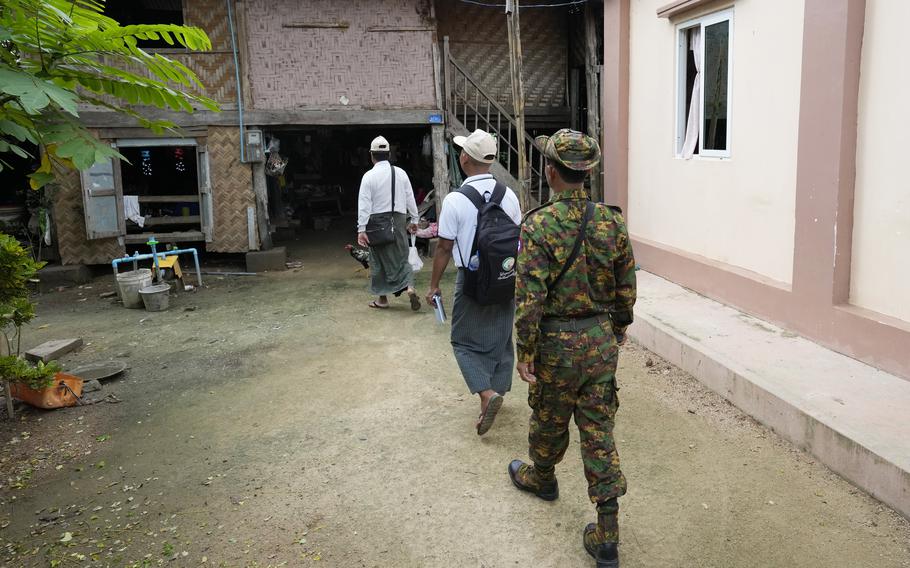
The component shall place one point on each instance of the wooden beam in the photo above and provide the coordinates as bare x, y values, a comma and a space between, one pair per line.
168, 199
260, 189
440, 164
400, 29
317, 25
290, 117
243, 45
172, 220
178, 237
518, 100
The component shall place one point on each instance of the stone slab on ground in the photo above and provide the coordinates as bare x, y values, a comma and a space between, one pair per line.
50, 350
267, 260
851, 416
55, 275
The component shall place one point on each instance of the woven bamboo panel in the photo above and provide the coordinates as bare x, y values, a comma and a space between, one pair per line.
214, 68
232, 191
69, 222
382, 59
478, 40
211, 16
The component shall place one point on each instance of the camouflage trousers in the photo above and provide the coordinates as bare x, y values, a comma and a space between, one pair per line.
576, 376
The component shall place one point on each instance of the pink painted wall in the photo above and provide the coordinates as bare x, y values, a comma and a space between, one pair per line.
308, 68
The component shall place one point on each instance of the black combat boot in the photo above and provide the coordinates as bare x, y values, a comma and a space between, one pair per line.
601, 540
534, 479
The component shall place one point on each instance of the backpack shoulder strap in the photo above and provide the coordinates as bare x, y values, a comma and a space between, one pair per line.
589, 213
499, 192
471, 193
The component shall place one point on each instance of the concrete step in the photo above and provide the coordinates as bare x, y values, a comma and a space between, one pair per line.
851, 416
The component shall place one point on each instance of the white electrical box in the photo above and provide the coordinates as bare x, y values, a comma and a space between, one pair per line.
254, 149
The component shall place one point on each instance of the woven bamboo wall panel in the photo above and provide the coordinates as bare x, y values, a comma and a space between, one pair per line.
478, 40
69, 222
214, 68
298, 67
232, 191
211, 16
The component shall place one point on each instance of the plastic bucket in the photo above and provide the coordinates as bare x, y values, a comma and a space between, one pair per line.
129, 284
155, 297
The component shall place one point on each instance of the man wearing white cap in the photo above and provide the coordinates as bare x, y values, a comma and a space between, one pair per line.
385, 202
481, 333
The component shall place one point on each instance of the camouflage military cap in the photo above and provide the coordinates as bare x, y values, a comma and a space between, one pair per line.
570, 148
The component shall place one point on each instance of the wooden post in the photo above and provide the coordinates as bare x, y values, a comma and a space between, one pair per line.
7, 392
440, 165
244, 48
260, 189
518, 101
592, 81
448, 88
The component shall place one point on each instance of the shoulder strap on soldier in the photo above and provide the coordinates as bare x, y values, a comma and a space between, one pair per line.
472, 194
589, 213
615, 209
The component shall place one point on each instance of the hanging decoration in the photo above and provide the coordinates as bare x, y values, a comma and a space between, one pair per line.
179, 163
146, 162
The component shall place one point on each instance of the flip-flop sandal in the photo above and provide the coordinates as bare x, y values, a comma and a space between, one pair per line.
415, 301
377, 306
489, 415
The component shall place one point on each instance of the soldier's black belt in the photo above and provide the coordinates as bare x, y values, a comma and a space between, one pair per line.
549, 325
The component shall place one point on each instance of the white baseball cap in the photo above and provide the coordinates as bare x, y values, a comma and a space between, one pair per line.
480, 145
379, 144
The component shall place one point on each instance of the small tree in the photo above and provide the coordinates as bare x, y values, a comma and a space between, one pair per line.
59, 55
16, 269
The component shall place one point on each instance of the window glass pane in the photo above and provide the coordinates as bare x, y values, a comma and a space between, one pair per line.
715, 66
101, 175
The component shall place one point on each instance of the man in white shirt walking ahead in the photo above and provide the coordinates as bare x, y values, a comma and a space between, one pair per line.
385, 203
481, 334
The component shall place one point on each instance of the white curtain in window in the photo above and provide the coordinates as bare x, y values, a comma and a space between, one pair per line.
692, 125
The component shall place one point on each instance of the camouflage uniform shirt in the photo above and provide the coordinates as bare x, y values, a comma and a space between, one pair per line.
601, 280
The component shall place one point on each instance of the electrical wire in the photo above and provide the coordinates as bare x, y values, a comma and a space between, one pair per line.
527, 6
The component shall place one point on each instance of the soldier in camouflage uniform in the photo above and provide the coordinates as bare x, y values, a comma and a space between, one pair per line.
568, 334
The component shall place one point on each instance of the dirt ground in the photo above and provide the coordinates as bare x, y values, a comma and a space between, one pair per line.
276, 421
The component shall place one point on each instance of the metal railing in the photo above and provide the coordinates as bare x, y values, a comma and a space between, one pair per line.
473, 107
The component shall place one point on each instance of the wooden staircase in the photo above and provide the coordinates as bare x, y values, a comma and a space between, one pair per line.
469, 107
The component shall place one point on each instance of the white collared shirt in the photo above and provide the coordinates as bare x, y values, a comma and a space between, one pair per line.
376, 194
458, 218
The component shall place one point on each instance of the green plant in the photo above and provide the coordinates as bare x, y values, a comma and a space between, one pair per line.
59, 55
17, 268
18, 370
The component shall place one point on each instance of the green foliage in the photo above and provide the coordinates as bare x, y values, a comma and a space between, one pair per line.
17, 370
59, 55
16, 269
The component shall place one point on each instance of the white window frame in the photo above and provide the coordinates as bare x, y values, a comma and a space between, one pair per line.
681, 62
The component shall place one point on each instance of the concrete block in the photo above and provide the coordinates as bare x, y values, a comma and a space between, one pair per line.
56, 275
265, 260
51, 350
